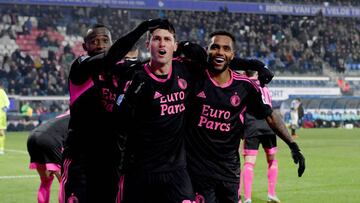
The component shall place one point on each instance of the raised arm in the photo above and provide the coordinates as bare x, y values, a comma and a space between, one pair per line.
124, 44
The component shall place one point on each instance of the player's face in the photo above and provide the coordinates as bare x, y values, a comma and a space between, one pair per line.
220, 52
98, 40
161, 46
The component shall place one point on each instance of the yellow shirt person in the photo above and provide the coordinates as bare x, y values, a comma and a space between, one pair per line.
4, 105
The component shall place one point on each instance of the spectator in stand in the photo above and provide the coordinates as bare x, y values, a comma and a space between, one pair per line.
26, 111
292, 44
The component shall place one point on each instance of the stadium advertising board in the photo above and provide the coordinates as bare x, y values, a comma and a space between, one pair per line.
236, 7
279, 93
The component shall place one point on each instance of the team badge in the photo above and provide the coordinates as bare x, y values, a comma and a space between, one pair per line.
235, 100
182, 83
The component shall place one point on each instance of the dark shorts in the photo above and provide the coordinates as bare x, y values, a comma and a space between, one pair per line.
89, 182
211, 190
251, 144
163, 187
44, 152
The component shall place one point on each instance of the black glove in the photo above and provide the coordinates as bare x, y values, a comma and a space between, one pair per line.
265, 74
153, 24
192, 52
298, 157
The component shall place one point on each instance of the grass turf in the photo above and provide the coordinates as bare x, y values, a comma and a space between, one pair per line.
332, 170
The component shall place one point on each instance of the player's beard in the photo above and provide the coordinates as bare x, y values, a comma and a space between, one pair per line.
214, 70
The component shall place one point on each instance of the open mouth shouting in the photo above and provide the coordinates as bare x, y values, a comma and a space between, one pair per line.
162, 52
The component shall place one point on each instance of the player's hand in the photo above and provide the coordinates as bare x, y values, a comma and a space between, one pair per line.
153, 24
191, 51
265, 74
298, 157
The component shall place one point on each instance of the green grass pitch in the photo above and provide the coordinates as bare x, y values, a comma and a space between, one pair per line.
332, 170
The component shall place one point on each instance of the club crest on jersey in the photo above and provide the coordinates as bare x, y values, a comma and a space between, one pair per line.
235, 100
182, 83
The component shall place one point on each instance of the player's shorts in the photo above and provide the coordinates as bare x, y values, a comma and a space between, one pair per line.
44, 152
251, 144
3, 123
211, 190
162, 187
85, 182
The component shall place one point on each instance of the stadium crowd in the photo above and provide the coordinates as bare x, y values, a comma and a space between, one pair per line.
288, 44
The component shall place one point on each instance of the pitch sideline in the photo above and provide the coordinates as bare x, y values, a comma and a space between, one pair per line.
18, 177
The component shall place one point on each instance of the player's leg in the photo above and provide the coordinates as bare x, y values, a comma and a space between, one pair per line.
250, 152
2, 141
227, 192
204, 188
46, 179
58, 176
241, 149
73, 181
270, 147
178, 186
135, 187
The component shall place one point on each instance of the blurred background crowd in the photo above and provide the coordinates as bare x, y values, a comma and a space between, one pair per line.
38, 43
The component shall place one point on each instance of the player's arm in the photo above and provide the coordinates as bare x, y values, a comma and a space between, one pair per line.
191, 52
278, 126
79, 72
5, 103
260, 110
82, 68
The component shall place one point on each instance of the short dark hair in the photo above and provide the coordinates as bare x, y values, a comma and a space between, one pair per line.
223, 32
166, 25
95, 26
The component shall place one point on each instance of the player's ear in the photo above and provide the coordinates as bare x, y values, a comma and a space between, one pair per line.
176, 45
232, 55
84, 46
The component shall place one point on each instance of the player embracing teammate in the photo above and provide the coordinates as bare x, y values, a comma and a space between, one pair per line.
166, 100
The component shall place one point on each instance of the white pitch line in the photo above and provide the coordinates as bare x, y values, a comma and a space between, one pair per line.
18, 177
17, 151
